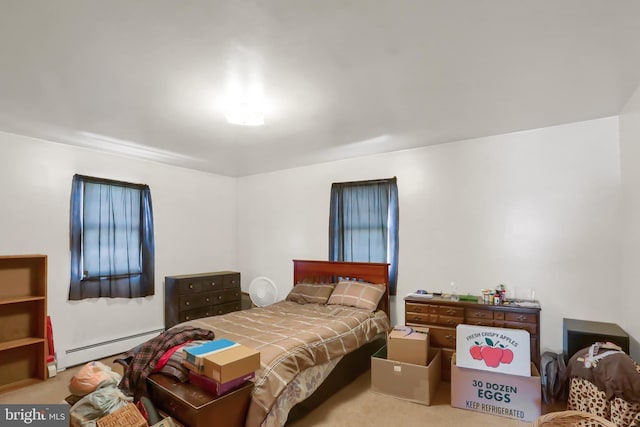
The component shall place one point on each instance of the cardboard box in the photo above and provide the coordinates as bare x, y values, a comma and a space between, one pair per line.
406, 381
506, 395
231, 363
214, 386
502, 350
193, 356
408, 344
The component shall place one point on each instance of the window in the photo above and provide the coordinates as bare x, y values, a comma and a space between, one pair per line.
363, 224
112, 248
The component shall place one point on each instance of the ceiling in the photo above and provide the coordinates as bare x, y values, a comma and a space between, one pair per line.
343, 78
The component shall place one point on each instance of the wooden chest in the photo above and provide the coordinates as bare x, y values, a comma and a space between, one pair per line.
192, 296
195, 407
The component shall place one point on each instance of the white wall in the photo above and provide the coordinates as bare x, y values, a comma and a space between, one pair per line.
536, 209
195, 231
630, 165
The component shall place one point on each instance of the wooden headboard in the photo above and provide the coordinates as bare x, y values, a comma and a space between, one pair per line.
333, 271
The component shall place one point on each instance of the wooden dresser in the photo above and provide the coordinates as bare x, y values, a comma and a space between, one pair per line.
192, 296
442, 315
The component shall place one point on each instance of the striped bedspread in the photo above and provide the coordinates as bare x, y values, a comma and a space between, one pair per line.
292, 337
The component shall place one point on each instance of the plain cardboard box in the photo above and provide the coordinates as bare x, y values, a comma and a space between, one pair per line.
415, 383
506, 395
408, 344
231, 363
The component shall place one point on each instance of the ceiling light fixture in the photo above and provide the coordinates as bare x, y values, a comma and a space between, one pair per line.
245, 112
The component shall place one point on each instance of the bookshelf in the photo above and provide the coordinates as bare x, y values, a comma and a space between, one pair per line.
23, 317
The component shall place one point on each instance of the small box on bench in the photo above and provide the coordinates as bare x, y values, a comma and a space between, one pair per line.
222, 362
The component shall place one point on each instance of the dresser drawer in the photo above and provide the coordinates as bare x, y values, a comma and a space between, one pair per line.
187, 286
225, 308
448, 321
199, 284
473, 314
520, 317
231, 281
195, 314
444, 310
417, 308
195, 300
412, 317
442, 337
221, 297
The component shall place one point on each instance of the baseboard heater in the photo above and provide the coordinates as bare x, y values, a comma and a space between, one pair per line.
100, 350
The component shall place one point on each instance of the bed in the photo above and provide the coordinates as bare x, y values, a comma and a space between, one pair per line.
309, 349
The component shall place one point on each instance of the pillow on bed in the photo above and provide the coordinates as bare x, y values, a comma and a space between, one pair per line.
307, 293
357, 294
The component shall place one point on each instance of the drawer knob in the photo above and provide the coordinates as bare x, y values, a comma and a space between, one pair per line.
206, 299
450, 338
219, 297
233, 282
187, 318
190, 285
451, 312
521, 317
187, 303
213, 283
207, 314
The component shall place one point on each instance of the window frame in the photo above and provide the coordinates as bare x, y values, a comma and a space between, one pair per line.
124, 285
337, 223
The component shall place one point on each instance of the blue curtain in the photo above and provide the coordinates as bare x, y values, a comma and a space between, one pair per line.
112, 244
363, 224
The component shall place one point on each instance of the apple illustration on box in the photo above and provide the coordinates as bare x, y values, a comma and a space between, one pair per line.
503, 350
492, 354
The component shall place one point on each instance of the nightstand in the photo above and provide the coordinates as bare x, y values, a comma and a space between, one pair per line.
195, 407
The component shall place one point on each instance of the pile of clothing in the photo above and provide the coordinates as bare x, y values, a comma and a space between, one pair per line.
605, 381
94, 393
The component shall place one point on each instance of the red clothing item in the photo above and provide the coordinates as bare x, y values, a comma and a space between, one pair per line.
167, 354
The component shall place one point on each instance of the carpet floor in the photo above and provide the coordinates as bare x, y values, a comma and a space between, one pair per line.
354, 405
